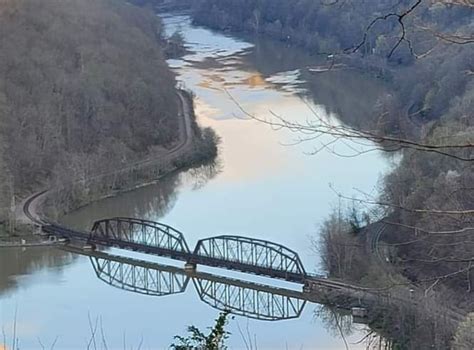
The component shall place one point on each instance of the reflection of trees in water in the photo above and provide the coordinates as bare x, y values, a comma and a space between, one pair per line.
349, 93
157, 199
335, 320
162, 197
339, 323
393, 326
149, 202
16, 262
200, 176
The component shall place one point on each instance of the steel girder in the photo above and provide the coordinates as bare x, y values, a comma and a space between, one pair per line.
251, 252
142, 232
244, 254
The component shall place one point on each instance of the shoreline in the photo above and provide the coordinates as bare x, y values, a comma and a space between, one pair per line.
45, 204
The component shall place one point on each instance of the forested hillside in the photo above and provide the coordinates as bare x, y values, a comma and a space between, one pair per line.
83, 87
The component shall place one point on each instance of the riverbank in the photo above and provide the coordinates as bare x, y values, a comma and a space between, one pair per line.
99, 105
195, 146
411, 313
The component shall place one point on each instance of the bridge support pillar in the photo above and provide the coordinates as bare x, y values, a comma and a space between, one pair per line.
85, 246
190, 267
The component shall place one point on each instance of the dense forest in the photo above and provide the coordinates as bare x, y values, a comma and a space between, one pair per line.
84, 87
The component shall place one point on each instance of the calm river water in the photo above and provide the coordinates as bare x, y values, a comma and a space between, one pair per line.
262, 186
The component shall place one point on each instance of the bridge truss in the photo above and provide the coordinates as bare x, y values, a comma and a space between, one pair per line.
244, 254
138, 234
251, 255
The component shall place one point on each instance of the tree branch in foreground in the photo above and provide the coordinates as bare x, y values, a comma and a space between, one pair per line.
314, 129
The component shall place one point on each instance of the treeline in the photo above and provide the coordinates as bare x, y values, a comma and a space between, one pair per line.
164, 5
333, 26
431, 198
84, 88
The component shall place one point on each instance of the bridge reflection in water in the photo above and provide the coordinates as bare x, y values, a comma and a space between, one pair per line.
131, 276
244, 298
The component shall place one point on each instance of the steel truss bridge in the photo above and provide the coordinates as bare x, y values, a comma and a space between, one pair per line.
248, 255
237, 253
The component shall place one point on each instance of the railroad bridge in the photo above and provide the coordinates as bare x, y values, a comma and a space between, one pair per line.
248, 255
237, 253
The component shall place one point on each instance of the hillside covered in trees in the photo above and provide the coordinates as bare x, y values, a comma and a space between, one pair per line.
84, 87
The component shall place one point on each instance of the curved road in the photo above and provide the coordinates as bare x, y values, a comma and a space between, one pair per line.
28, 212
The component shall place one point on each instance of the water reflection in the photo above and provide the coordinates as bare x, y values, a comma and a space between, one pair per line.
249, 299
244, 298
15, 264
138, 276
350, 93
259, 63
145, 202
340, 323
198, 177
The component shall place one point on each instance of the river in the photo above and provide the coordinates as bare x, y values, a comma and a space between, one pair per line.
265, 185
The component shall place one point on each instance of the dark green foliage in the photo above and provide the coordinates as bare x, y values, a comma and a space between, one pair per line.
197, 340
175, 45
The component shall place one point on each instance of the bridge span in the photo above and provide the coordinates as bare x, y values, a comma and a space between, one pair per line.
237, 253
243, 254
248, 255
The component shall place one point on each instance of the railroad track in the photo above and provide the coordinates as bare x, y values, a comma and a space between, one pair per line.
29, 206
